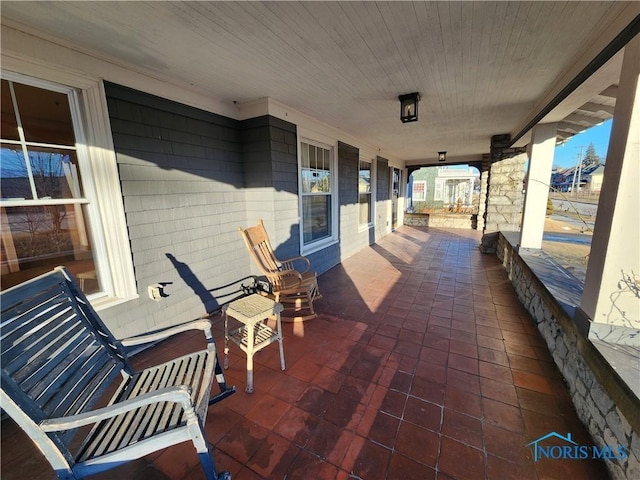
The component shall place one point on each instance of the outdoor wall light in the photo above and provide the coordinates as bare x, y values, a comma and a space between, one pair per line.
409, 107
442, 156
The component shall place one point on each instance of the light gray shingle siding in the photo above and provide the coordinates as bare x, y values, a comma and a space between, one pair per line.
189, 179
181, 172
271, 170
383, 180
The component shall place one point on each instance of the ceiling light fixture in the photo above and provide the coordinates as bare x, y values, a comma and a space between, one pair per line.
409, 107
442, 156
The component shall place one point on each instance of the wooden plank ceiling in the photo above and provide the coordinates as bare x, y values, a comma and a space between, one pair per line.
480, 67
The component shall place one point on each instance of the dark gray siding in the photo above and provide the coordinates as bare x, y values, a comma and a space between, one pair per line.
352, 237
181, 171
271, 180
383, 212
189, 179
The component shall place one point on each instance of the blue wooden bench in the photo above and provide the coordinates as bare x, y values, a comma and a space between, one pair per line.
69, 383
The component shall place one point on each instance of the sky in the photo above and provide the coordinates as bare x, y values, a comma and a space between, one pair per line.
566, 155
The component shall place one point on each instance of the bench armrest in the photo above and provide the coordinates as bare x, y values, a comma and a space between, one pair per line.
201, 324
177, 394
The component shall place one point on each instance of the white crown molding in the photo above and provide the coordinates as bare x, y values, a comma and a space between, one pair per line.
36, 51
310, 126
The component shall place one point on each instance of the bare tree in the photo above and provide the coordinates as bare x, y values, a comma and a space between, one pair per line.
43, 230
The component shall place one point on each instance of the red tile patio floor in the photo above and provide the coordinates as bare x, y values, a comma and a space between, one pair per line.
422, 364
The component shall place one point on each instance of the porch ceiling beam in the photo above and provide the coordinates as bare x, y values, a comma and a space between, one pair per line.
563, 135
577, 118
611, 92
597, 108
570, 127
575, 79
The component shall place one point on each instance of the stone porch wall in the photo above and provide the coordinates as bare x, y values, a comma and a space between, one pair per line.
604, 403
504, 199
441, 220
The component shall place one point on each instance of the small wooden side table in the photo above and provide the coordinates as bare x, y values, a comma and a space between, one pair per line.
253, 335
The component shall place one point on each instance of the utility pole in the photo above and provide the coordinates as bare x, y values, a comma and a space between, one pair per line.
579, 173
573, 180
578, 169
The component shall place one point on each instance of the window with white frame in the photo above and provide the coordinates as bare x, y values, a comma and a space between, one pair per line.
438, 190
317, 195
419, 191
365, 204
49, 196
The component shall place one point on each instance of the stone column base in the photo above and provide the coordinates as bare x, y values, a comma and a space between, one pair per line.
489, 242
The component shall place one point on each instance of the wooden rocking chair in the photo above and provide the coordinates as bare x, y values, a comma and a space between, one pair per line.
295, 288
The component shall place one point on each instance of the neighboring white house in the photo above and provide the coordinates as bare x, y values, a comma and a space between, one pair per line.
452, 184
594, 180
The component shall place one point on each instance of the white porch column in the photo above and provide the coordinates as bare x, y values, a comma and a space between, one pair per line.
543, 143
611, 290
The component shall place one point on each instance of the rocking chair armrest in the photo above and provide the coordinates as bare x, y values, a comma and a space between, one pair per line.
200, 324
177, 394
277, 276
279, 279
289, 263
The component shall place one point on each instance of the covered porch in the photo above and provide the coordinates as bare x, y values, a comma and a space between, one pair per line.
422, 364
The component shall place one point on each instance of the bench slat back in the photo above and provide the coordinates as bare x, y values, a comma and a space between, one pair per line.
57, 356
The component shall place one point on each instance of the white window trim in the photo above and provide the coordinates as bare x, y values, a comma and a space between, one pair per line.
372, 206
332, 146
438, 192
102, 187
424, 191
